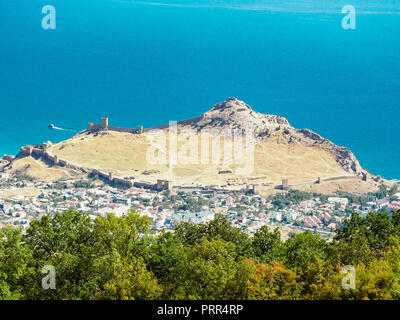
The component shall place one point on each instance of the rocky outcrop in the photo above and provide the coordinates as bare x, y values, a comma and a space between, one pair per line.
343, 155
236, 114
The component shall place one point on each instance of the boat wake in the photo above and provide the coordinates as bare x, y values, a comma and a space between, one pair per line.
52, 126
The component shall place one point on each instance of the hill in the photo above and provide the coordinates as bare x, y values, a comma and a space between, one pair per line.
231, 145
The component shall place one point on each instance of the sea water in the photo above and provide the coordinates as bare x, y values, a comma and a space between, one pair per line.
146, 63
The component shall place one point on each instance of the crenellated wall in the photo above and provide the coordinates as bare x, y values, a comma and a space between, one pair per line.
127, 183
120, 129
93, 127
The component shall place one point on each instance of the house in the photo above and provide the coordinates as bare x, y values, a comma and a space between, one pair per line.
193, 217
380, 203
326, 216
341, 201
306, 204
6, 207
123, 200
332, 226
394, 205
397, 195
292, 216
229, 200
312, 221
277, 216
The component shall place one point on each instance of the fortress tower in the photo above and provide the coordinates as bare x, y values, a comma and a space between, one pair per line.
285, 184
104, 123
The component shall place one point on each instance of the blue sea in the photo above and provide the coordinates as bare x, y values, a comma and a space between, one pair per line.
146, 63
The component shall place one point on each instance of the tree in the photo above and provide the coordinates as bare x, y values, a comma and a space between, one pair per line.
84, 253
361, 239
15, 271
205, 270
266, 245
131, 281
273, 282
303, 249
68, 232
219, 228
118, 258
122, 234
382, 192
393, 189
161, 255
377, 280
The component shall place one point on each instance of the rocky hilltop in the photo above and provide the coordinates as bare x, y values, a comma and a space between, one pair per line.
236, 114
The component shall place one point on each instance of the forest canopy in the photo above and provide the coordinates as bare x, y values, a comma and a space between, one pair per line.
119, 258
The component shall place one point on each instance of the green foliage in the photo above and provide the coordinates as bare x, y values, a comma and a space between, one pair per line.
131, 281
121, 234
303, 249
220, 228
266, 245
162, 254
83, 184
204, 270
15, 272
362, 239
22, 177
118, 258
282, 200
273, 282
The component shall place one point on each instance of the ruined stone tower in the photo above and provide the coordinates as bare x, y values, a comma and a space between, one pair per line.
104, 123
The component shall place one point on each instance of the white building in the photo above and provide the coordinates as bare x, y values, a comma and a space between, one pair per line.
341, 201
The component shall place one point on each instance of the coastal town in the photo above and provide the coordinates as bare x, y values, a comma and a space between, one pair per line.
23, 199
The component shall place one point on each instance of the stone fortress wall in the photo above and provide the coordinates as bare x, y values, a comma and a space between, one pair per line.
93, 127
41, 151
